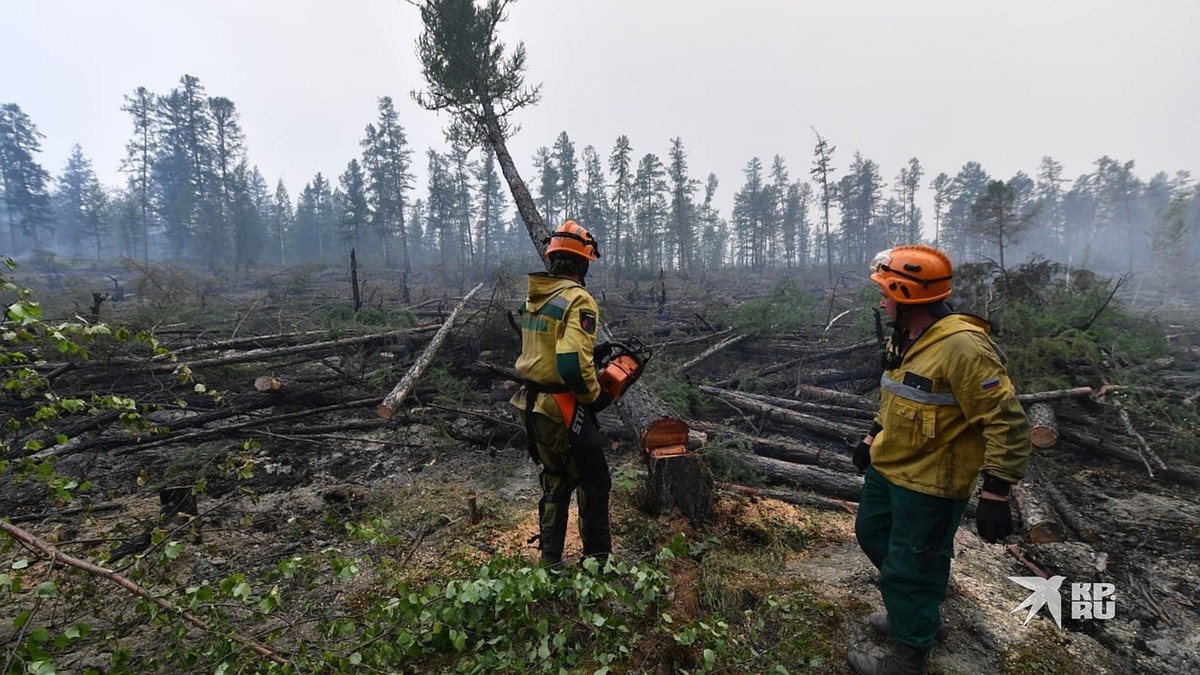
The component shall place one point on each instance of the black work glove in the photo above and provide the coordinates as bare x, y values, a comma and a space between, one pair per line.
993, 517
862, 456
862, 451
602, 401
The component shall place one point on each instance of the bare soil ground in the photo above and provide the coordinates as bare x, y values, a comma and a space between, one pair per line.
421, 474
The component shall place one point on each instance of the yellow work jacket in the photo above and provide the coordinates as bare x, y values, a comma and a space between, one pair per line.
948, 411
558, 320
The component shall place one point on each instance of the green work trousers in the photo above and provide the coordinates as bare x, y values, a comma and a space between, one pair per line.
572, 463
909, 536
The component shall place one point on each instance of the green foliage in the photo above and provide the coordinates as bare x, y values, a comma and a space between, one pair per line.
787, 310
451, 389
676, 392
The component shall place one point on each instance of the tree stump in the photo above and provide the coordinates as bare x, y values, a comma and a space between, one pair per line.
176, 499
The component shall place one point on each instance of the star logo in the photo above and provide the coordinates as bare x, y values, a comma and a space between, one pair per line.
1044, 593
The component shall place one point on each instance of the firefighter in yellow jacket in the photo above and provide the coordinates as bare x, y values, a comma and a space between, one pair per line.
561, 395
948, 413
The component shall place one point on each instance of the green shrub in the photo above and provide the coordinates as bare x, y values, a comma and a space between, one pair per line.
787, 310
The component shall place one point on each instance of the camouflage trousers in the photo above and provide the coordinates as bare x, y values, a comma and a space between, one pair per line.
572, 463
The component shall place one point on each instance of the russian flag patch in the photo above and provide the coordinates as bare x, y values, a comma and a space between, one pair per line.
990, 383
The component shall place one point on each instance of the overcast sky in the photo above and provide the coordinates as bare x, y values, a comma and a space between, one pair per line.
946, 81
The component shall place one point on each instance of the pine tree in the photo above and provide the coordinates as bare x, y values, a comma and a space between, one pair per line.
468, 74
965, 188
751, 206
568, 175
355, 216
461, 168
387, 159
281, 223
619, 164
822, 171
593, 208
549, 198
82, 202
491, 206
138, 163
683, 208
714, 240
650, 210
780, 234
941, 199
858, 196
183, 172
228, 154
25, 182
314, 220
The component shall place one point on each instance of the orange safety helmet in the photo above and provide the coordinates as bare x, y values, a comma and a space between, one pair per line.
912, 274
571, 237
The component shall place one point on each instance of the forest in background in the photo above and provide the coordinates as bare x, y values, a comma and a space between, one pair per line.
193, 194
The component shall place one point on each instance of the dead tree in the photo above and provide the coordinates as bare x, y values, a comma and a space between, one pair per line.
402, 388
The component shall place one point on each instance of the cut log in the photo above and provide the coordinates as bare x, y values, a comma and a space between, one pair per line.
1037, 514
822, 409
402, 388
809, 392
814, 478
1055, 395
784, 449
267, 383
1043, 426
775, 413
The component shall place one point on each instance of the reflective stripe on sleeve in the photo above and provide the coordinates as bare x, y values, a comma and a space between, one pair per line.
913, 394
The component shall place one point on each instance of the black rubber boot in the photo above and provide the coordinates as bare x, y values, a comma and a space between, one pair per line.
903, 660
879, 622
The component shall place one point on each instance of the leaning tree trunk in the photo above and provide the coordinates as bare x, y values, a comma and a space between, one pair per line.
534, 223
682, 481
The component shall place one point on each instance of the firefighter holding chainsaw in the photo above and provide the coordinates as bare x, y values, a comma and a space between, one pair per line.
948, 413
561, 395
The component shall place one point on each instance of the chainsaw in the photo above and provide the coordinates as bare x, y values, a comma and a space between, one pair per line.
620, 364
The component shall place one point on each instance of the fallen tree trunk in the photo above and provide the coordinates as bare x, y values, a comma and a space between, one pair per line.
402, 389
808, 391
792, 404
1043, 426
1036, 513
727, 342
1055, 395
1149, 458
1075, 520
817, 479
785, 450
845, 432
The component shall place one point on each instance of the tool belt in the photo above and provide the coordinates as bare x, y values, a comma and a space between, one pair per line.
566, 403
